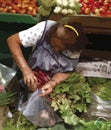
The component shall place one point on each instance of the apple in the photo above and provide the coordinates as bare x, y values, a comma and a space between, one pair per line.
108, 13
96, 4
87, 11
97, 12
96, 7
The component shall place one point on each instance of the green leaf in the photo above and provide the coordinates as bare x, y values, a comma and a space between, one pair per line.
77, 7
70, 97
58, 127
42, 129
70, 118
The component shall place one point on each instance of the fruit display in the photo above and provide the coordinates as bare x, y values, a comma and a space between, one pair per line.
66, 7
83, 7
19, 7
95, 7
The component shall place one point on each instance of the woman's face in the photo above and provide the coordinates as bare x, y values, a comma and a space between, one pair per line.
62, 40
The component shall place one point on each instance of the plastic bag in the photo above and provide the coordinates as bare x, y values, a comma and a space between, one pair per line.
6, 75
35, 108
38, 110
98, 108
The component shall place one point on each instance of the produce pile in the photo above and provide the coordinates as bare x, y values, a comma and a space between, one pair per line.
66, 7
95, 7
6, 97
75, 7
18, 122
71, 99
19, 6
63, 7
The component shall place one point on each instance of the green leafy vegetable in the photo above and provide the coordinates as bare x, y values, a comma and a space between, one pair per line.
19, 122
7, 97
101, 87
71, 97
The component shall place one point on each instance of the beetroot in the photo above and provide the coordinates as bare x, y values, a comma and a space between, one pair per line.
42, 78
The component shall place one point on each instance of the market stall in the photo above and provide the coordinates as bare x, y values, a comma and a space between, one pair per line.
95, 16
16, 16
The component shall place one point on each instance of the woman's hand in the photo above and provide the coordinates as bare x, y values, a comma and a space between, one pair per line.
48, 88
56, 79
14, 44
30, 80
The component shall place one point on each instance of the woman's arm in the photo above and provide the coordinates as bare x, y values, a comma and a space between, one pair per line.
15, 48
56, 79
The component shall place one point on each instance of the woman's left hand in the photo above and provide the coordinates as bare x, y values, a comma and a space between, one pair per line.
47, 88
56, 79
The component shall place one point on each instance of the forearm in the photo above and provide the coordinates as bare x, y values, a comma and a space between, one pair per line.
15, 49
58, 78
29, 78
21, 61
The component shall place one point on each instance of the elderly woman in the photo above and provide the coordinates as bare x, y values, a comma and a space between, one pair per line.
56, 49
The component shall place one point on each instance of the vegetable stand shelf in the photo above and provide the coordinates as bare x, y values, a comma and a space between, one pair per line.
19, 18
92, 24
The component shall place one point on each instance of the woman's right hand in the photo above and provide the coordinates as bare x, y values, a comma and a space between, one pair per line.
30, 80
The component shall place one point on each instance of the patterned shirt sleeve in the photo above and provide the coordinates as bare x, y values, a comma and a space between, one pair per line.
31, 36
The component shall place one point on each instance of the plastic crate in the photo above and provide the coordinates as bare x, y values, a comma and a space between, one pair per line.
19, 18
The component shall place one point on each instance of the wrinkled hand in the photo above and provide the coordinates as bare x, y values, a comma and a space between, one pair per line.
46, 89
30, 80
